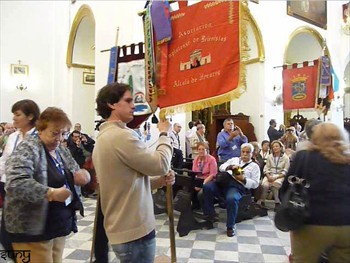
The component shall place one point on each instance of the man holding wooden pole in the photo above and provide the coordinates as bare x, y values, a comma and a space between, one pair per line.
127, 171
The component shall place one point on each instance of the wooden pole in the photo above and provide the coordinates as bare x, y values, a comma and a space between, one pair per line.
169, 195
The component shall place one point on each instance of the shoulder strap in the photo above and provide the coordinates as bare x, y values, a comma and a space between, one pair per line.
245, 165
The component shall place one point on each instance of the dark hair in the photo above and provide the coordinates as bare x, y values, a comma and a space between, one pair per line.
309, 126
75, 131
28, 107
265, 141
272, 121
197, 122
53, 115
190, 124
109, 94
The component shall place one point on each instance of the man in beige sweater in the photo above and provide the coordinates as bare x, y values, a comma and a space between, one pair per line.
127, 171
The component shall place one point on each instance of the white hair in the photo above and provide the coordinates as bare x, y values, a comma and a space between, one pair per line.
248, 145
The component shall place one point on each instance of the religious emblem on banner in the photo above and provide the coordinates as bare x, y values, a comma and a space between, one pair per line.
299, 87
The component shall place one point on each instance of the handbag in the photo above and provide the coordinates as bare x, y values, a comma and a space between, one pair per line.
294, 210
224, 178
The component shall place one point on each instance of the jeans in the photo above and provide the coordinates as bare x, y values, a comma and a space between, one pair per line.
138, 251
232, 194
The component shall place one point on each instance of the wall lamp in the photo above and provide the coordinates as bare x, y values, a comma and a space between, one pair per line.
21, 87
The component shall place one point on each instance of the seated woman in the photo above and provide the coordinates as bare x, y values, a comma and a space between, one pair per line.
41, 199
206, 167
277, 165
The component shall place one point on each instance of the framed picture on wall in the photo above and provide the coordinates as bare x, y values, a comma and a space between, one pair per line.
89, 78
313, 12
18, 69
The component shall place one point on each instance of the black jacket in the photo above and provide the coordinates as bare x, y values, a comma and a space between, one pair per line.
274, 134
329, 190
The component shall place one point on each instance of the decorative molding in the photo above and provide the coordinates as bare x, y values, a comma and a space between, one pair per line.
312, 32
84, 11
258, 37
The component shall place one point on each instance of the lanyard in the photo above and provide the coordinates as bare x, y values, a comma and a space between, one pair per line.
201, 165
17, 138
15, 145
59, 166
265, 154
177, 137
58, 163
276, 163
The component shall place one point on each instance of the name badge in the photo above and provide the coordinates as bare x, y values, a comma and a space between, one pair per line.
68, 200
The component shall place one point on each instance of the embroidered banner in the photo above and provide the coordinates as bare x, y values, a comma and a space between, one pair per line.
130, 69
203, 57
300, 86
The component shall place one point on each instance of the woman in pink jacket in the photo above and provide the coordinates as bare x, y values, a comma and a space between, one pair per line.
206, 168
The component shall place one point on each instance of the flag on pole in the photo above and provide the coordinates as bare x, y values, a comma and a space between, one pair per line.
300, 85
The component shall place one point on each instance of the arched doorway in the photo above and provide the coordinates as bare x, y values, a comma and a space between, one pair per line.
81, 60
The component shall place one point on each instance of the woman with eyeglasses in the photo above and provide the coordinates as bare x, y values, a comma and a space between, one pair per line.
41, 199
25, 115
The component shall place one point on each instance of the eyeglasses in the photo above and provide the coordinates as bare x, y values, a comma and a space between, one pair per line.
59, 133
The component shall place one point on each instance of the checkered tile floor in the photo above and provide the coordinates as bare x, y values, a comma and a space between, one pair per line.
257, 241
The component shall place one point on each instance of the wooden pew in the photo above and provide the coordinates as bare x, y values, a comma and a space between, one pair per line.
182, 203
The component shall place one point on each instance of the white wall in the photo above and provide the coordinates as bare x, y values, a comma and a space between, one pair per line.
29, 33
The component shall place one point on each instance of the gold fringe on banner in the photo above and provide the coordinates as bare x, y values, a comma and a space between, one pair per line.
244, 48
234, 94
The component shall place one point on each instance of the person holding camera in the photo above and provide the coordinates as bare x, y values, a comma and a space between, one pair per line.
245, 175
77, 149
229, 141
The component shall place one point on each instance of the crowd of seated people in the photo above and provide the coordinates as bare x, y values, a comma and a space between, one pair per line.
268, 163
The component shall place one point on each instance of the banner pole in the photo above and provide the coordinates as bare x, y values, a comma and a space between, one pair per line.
169, 192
